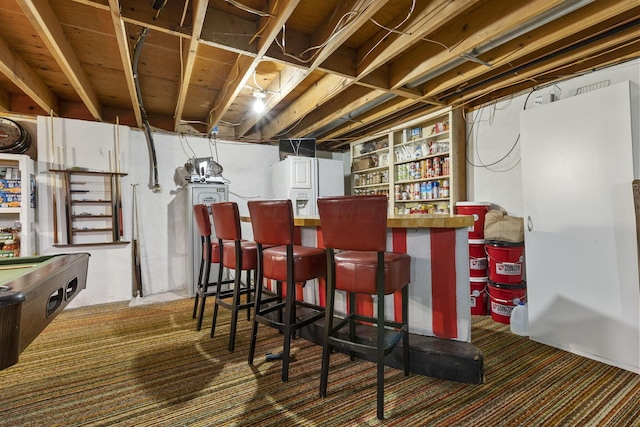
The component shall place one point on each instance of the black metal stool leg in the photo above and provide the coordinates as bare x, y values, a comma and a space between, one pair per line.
203, 298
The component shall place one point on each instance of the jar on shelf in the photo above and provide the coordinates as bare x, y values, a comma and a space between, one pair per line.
11, 248
446, 166
437, 170
444, 191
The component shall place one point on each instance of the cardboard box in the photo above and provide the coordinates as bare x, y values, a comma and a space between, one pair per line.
366, 163
10, 200
6, 184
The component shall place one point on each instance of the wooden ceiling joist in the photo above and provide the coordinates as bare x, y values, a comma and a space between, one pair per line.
189, 57
326, 42
44, 21
23, 76
125, 56
268, 30
5, 101
419, 62
335, 70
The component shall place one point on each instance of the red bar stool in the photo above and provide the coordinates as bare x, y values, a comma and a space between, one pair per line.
272, 223
354, 229
210, 255
235, 254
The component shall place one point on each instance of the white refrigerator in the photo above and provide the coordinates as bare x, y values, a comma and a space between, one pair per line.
304, 179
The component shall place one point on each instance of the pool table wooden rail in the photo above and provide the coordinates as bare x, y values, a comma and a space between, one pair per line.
31, 296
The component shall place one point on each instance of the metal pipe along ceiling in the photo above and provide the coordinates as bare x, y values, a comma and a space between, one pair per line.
540, 20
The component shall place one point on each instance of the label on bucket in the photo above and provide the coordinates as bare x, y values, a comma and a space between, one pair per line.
509, 268
502, 310
472, 228
478, 264
473, 301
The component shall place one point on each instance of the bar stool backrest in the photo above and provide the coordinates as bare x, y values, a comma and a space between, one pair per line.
226, 220
272, 222
356, 223
202, 220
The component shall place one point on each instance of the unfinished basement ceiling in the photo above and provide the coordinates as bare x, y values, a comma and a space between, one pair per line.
336, 70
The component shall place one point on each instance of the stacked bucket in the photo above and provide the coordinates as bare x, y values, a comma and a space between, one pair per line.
478, 266
495, 268
505, 287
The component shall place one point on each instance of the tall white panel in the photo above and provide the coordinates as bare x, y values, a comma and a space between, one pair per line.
581, 250
330, 177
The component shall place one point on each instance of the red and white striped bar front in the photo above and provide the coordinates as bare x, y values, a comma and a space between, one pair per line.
439, 303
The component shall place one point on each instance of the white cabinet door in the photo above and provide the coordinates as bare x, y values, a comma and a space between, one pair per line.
580, 242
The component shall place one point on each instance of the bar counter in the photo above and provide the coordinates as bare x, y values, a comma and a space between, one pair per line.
404, 221
439, 292
439, 296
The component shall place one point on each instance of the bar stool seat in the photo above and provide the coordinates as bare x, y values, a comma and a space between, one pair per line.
356, 271
308, 262
280, 259
238, 255
354, 232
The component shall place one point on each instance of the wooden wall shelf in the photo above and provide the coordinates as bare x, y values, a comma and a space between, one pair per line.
93, 207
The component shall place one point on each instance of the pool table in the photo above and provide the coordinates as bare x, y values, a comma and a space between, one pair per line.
33, 290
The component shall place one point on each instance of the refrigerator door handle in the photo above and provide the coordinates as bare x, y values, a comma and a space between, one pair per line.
529, 223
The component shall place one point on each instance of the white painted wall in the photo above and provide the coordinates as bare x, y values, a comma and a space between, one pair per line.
494, 130
162, 215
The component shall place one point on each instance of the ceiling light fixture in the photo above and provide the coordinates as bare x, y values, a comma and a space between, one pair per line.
258, 105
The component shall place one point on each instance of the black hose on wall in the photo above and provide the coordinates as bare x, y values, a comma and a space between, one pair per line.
155, 186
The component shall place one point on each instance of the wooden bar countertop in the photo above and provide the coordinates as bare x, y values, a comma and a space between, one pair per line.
400, 221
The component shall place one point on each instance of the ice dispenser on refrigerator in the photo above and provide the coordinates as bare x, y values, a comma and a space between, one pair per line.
304, 179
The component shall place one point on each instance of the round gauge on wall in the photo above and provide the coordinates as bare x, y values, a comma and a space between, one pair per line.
14, 138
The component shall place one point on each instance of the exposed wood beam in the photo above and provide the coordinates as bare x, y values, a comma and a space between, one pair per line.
20, 74
323, 90
288, 79
352, 15
551, 33
199, 12
125, 56
229, 32
268, 28
93, 3
346, 19
339, 108
627, 41
5, 101
428, 18
418, 62
45, 22
511, 52
140, 13
377, 113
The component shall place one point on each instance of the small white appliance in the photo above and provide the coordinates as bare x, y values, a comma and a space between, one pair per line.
304, 179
